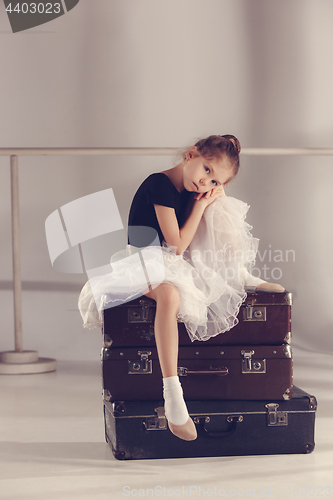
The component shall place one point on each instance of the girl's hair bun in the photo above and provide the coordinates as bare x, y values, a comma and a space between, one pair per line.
233, 140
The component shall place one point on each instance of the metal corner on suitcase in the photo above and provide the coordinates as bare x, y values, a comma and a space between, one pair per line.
106, 395
309, 448
289, 298
105, 353
287, 394
287, 351
287, 338
118, 455
118, 408
312, 403
107, 341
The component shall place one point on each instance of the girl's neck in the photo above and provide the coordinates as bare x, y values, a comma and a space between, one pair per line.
175, 175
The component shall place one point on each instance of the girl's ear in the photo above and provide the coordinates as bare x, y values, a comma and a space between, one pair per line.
193, 152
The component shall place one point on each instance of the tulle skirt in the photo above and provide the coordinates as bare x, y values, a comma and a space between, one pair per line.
211, 275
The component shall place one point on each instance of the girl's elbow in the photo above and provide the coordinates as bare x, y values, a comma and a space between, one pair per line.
180, 249
176, 245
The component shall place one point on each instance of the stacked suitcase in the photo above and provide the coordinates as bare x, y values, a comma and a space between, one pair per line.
237, 386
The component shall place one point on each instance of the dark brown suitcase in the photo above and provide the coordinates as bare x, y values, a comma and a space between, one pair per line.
206, 372
139, 430
264, 319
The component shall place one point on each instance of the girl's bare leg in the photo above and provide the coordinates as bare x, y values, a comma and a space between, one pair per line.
166, 336
166, 329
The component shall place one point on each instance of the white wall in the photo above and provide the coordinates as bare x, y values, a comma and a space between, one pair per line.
163, 73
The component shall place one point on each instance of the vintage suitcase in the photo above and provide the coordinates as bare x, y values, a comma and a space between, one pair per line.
206, 372
138, 430
264, 318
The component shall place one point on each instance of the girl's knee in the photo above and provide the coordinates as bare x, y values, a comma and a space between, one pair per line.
168, 295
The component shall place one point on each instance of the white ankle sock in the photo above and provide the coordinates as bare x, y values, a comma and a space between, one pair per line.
175, 407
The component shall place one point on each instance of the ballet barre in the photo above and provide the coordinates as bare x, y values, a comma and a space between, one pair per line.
20, 361
156, 151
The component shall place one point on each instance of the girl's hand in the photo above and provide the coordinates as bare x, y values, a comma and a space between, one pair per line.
210, 196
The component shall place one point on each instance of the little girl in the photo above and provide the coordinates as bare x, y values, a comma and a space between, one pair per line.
193, 218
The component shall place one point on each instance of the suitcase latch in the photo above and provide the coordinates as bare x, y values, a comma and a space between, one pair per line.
254, 313
276, 418
142, 365
250, 365
141, 314
157, 423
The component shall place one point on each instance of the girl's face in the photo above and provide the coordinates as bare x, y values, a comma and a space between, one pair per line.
201, 175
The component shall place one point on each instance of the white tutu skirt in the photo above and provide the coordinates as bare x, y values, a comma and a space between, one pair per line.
211, 275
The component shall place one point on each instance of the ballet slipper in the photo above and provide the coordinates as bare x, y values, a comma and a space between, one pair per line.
270, 287
186, 431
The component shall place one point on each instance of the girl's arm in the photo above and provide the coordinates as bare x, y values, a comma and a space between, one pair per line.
181, 238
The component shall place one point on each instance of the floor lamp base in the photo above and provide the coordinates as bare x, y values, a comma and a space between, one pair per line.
25, 362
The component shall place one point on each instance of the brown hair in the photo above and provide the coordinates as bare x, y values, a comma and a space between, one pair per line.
217, 146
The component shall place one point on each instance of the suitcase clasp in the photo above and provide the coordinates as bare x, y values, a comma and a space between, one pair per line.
142, 365
254, 313
276, 418
157, 423
250, 365
141, 314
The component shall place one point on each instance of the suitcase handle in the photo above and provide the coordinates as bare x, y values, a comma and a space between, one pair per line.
232, 419
183, 372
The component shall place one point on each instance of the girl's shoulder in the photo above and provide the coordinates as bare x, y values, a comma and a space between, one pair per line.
158, 189
158, 177
158, 180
